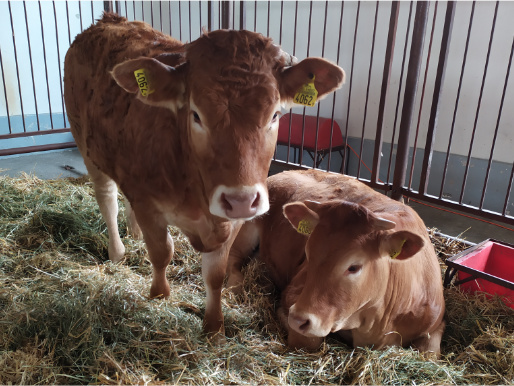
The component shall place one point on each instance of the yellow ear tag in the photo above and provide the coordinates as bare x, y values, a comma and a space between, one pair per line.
304, 227
395, 254
307, 95
143, 82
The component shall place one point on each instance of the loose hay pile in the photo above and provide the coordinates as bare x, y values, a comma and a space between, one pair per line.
68, 316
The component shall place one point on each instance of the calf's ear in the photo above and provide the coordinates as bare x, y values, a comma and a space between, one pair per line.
326, 76
401, 245
154, 82
301, 218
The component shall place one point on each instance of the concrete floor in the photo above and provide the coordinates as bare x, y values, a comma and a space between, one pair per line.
68, 163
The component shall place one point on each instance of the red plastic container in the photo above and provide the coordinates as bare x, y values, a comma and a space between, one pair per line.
486, 267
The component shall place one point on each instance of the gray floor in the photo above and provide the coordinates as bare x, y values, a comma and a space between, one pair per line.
68, 163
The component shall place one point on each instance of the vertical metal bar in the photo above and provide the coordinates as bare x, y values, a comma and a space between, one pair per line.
497, 127
281, 22
31, 67
46, 66
80, 17
509, 189
450, 139
367, 89
267, 30
59, 65
151, 13
335, 93
315, 160
479, 104
190, 32
160, 15
242, 15
225, 14
294, 54
351, 77
415, 58
180, 20
200, 15
398, 96
300, 155
422, 99
68, 22
169, 4
388, 61
210, 15
17, 68
5, 93
255, 17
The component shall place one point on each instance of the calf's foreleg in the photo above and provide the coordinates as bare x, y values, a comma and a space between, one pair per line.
246, 241
214, 267
160, 248
106, 193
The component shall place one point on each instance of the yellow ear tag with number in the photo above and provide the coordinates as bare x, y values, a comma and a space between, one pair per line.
395, 254
307, 95
143, 82
304, 227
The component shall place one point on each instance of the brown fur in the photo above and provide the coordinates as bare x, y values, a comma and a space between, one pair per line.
169, 163
392, 302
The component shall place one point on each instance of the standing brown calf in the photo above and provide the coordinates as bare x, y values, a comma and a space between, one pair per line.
347, 259
186, 131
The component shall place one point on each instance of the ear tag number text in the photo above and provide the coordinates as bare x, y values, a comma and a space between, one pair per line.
307, 95
143, 82
304, 227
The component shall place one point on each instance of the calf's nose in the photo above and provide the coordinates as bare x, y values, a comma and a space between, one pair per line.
300, 324
240, 205
244, 202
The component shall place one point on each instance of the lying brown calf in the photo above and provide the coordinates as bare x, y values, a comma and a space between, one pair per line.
347, 259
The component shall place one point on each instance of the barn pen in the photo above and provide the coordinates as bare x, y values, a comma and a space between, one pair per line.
423, 115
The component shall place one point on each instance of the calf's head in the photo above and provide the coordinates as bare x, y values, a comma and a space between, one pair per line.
349, 252
228, 94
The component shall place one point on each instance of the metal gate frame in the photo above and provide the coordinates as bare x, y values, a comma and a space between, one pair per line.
398, 187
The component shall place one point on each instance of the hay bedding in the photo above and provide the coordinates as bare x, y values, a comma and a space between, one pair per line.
69, 316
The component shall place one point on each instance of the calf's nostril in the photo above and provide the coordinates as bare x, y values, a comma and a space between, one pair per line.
225, 203
255, 202
305, 325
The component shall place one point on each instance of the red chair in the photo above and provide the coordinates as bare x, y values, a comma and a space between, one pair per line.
319, 150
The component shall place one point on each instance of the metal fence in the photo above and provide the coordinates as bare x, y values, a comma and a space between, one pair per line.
423, 113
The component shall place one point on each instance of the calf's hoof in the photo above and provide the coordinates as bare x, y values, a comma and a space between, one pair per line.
160, 290
215, 331
235, 284
217, 338
116, 251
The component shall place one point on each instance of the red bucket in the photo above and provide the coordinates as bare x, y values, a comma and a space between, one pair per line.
487, 267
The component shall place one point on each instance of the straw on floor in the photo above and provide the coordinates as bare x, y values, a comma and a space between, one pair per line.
69, 316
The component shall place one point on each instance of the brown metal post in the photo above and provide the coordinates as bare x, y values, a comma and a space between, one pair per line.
393, 24
409, 98
210, 15
242, 15
441, 69
226, 14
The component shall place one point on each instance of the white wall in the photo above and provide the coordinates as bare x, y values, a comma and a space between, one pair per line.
55, 43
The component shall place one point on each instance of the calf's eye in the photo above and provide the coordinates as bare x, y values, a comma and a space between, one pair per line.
196, 117
354, 268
